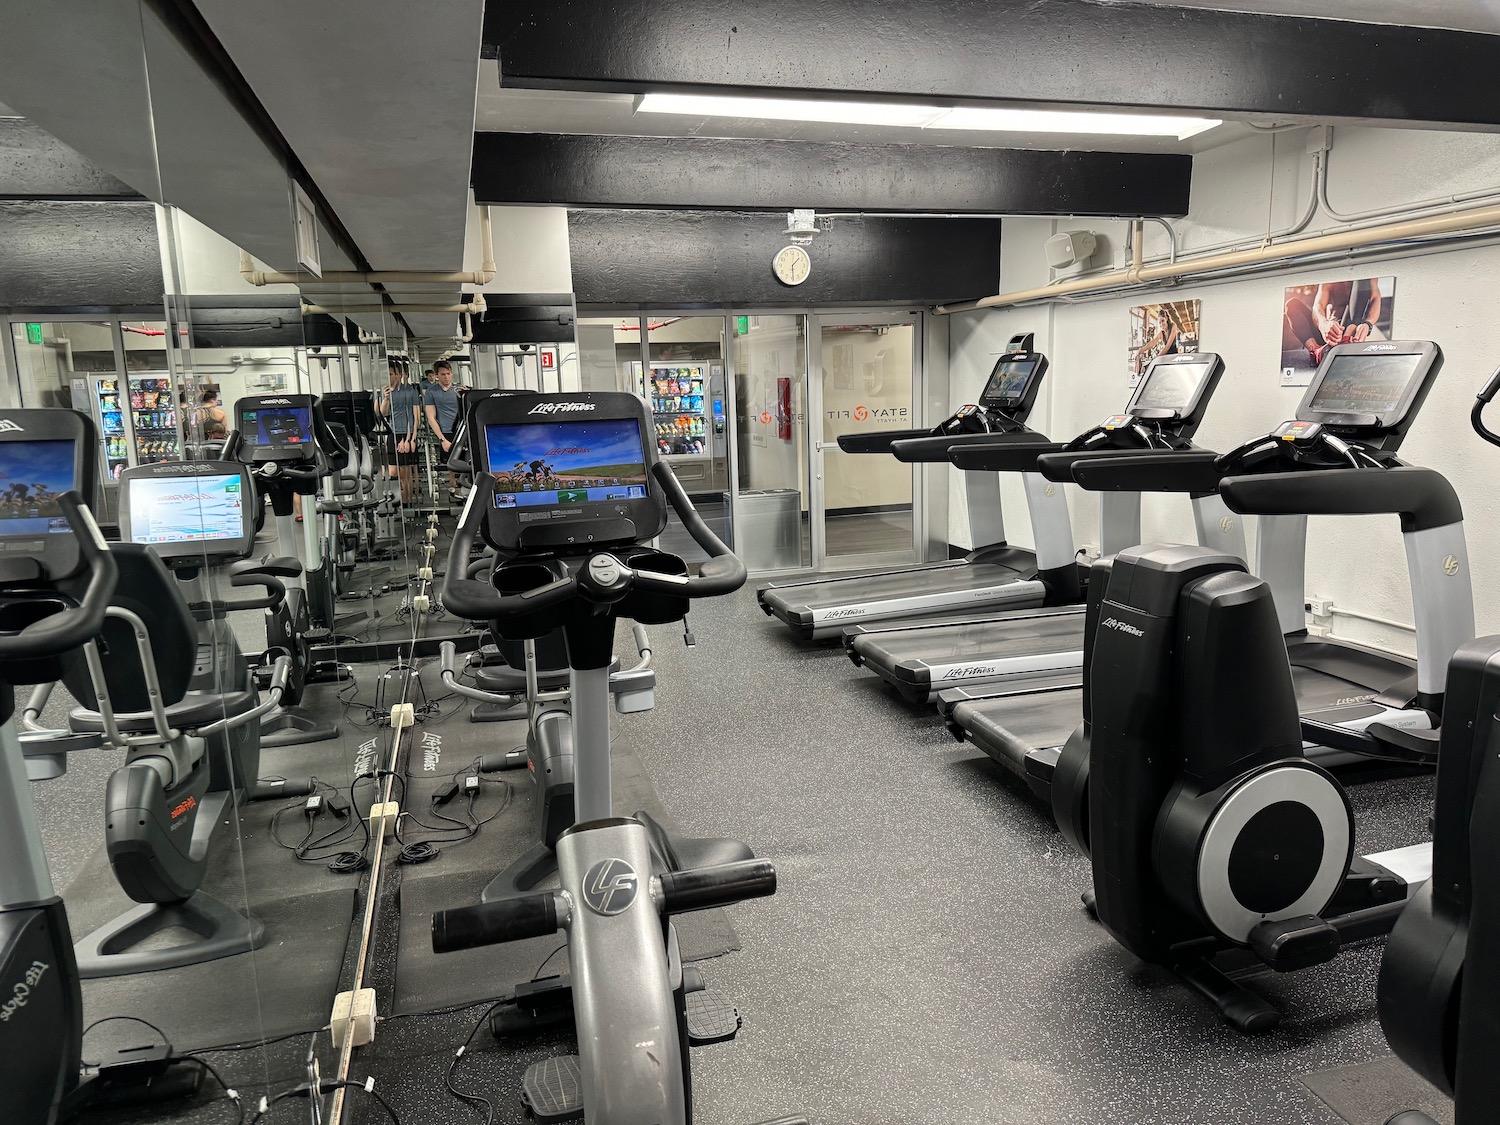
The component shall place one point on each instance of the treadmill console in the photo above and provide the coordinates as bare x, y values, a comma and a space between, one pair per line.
189, 511
277, 427
569, 474
1013, 384
1176, 390
1371, 392
43, 453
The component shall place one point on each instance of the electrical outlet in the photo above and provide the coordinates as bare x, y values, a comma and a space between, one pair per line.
424, 573
353, 1013
403, 715
382, 818
420, 603
1320, 607
1090, 551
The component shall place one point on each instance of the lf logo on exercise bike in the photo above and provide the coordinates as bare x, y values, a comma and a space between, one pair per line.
610, 886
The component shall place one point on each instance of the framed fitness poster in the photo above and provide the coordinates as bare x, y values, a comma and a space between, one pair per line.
1316, 317
1165, 329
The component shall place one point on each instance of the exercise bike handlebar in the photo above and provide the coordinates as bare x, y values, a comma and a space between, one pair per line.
469, 598
75, 625
1481, 400
490, 923
544, 913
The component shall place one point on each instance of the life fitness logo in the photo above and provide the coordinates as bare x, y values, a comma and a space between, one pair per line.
9, 427
560, 407
610, 886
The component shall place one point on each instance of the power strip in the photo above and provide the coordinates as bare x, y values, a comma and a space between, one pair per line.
404, 715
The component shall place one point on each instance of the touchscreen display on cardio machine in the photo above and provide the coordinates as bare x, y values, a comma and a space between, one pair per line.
33, 474
186, 509
1009, 380
553, 463
277, 425
1171, 386
1364, 384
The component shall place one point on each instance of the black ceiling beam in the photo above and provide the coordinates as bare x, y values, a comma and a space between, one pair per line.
525, 318
681, 173
1047, 51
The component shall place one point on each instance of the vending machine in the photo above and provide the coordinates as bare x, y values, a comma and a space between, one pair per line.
154, 419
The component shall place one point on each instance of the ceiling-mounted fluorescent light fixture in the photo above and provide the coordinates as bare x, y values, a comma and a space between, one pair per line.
787, 109
991, 119
1073, 121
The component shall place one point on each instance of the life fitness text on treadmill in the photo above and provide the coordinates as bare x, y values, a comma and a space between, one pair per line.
20, 994
1115, 623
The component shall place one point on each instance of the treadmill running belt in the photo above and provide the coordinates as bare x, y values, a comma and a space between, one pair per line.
897, 584
1026, 635
1010, 728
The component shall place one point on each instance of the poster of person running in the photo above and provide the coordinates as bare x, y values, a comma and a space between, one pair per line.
1163, 329
1316, 317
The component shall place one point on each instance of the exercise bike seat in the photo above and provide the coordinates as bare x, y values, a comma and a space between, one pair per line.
195, 709
505, 679
675, 852
278, 566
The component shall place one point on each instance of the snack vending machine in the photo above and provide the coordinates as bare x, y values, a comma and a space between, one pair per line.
154, 420
98, 396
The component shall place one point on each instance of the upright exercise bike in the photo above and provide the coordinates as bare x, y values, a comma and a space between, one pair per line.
572, 533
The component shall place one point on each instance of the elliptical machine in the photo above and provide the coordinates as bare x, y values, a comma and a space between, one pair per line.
572, 543
1440, 975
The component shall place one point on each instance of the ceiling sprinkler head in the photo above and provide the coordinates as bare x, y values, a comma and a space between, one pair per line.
802, 226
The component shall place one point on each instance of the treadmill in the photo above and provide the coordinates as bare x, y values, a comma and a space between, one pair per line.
990, 576
986, 654
1338, 457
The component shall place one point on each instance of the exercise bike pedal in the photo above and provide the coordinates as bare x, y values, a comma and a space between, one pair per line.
710, 1018
1295, 943
552, 1090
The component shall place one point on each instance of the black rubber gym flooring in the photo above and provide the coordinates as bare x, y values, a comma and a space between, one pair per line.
926, 958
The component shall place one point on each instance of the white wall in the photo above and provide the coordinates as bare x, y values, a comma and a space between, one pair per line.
210, 263
1447, 297
531, 249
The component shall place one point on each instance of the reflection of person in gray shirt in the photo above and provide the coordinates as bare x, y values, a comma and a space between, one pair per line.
440, 400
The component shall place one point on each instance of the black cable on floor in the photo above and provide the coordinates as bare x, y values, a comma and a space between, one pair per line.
230, 1093
474, 1101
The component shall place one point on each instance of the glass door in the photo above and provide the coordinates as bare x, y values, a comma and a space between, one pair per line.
769, 442
864, 512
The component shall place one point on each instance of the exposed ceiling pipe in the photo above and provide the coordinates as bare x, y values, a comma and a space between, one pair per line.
476, 305
1476, 219
482, 276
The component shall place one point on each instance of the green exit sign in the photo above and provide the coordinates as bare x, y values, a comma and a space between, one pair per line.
33, 333
741, 325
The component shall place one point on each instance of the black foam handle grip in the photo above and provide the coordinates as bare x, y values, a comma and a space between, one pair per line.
490, 923
76, 625
726, 883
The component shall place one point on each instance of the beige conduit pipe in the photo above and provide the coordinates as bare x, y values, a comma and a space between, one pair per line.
477, 305
1137, 274
482, 276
